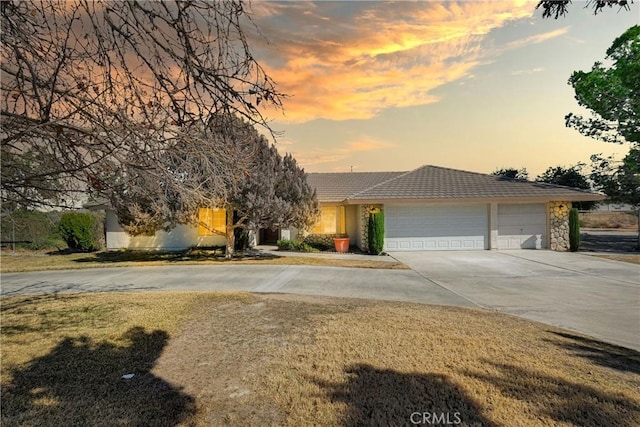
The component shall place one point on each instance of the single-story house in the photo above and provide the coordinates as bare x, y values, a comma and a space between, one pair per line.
429, 208
436, 208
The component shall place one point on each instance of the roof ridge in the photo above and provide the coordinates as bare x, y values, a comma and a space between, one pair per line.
476, 173
505, 178
351, 173
383, 182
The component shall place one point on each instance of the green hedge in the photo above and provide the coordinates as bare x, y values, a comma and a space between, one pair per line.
81, 231
295, 246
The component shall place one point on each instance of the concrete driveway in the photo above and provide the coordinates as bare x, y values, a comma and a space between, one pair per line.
594, 296
390, 285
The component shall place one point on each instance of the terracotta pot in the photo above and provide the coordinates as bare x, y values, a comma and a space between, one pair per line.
341, 244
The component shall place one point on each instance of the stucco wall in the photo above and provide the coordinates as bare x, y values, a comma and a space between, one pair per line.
559, 226
352, 230
180, 238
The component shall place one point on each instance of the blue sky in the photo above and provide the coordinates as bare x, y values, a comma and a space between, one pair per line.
470, 85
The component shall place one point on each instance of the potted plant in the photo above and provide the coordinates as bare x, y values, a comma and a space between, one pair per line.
341, 243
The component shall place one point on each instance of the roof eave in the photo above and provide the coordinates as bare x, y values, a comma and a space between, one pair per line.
497, 199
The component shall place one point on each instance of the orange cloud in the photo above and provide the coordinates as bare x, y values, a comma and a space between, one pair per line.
331, 155
351, 60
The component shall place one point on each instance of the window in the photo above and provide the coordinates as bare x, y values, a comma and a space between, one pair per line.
210, 220
327, 223
332, 220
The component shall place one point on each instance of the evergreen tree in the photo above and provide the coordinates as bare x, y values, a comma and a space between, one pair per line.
574, 230
227, 165
376, 233
569, 177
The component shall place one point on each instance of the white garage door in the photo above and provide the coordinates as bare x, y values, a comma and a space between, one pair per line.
522, 226
435, 227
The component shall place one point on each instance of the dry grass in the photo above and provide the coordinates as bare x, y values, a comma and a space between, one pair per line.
618, 220
287, 360
63, 358
632, 258
34, 261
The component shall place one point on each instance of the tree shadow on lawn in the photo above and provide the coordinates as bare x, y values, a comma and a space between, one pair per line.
14, 304
49, 317
604, 354
561, 400
384, 397
80, 383
191, 255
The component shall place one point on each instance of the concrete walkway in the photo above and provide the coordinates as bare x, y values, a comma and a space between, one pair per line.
594, 296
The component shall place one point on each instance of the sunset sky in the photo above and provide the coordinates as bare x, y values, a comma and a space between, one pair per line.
469, 85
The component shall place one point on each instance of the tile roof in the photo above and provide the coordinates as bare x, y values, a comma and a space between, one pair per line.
435, 183
336, 187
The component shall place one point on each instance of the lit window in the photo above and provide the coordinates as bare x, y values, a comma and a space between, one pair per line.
211, 220
332, 220
327, 223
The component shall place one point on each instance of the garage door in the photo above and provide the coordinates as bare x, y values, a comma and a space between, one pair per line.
522, 226
435, 227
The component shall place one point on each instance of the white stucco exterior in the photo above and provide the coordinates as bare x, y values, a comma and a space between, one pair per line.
180, 238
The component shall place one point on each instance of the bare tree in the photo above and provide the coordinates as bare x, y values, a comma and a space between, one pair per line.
91, 86
558, 8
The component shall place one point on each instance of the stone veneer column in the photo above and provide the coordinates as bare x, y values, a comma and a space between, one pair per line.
559, 226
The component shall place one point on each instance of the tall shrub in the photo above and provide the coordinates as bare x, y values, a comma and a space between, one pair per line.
78, 230
376, 233
574, 230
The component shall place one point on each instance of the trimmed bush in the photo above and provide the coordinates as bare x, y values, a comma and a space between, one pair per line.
574, 230
80, 231
294, 245
376, 233
285, 244
303, 247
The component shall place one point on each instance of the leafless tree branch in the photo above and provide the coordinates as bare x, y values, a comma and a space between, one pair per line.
95, 86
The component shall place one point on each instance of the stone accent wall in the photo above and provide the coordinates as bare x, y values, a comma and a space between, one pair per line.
559, 226
364, 229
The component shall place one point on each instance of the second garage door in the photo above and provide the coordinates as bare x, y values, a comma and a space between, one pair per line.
522, 226
435, 227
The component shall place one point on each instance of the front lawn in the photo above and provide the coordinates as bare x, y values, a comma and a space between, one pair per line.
243, 359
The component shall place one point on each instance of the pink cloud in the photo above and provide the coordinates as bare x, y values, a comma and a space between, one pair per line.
352, 65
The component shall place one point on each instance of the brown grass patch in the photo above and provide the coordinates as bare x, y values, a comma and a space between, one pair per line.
632, 258
621, 220
34, 261
292, 360
63, 357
